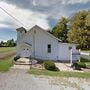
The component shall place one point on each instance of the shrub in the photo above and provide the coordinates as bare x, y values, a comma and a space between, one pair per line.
78, 65
16, 58
81, 64
83, 59
49, 65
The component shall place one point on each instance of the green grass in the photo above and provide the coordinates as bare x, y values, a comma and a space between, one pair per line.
6, 64
86, 56
6, 49
88, 64
85, 60
60, 73
87, 51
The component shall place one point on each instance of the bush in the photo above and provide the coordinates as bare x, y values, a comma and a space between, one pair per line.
16, 58
49, 65
78, 65
81, 64
83, 59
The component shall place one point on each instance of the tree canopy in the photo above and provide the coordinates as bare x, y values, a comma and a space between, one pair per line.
8, 43
74, 30
60, 30
80, 29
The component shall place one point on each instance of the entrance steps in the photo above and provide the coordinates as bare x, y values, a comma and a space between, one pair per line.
25, 61
22, 61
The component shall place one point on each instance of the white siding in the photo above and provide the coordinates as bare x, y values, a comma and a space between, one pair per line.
19, 42
64, 52
39, 39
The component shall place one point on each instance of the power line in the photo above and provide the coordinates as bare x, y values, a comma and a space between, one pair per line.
12, 16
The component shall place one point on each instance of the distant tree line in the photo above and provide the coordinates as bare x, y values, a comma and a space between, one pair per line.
75, 29
8, 43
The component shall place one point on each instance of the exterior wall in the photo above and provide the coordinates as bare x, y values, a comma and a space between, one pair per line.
64, 52
39, 40
20, 40
18, 50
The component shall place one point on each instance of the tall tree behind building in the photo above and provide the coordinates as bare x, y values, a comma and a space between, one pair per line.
80, 29
60, 30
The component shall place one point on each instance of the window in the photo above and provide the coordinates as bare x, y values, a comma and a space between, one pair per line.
70, 48
49, 48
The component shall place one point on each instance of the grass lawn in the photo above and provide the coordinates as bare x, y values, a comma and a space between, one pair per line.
6, 49
7, 61
86, 56
88, 51
6, 64
60, 73
7, 52
87, 64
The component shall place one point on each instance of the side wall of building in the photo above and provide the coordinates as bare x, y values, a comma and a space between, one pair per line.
40, 40
64, 52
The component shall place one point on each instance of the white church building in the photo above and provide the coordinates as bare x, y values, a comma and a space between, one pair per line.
40, 44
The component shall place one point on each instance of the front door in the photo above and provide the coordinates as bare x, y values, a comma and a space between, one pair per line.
26, 52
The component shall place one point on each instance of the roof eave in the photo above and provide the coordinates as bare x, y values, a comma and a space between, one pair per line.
18, 29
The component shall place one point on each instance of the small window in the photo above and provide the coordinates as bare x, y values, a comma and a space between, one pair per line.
70, 48
49, 48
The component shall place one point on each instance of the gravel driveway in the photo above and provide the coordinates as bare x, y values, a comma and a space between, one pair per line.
18, 79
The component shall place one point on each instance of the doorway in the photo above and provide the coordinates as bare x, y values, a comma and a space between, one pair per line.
26, 52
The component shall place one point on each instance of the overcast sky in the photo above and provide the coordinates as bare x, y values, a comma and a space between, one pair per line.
44, 13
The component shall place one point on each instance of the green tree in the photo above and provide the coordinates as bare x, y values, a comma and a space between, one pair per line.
60, 30
2, 44
80, 29
11, 43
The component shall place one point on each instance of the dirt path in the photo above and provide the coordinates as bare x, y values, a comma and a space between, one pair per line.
18, 79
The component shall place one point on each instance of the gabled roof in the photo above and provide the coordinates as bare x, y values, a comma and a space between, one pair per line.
36, 26
21, 28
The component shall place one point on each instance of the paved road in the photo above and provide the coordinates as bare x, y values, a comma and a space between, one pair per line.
19, 79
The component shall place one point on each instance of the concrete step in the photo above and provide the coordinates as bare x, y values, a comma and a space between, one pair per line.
16, 63
25, 61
